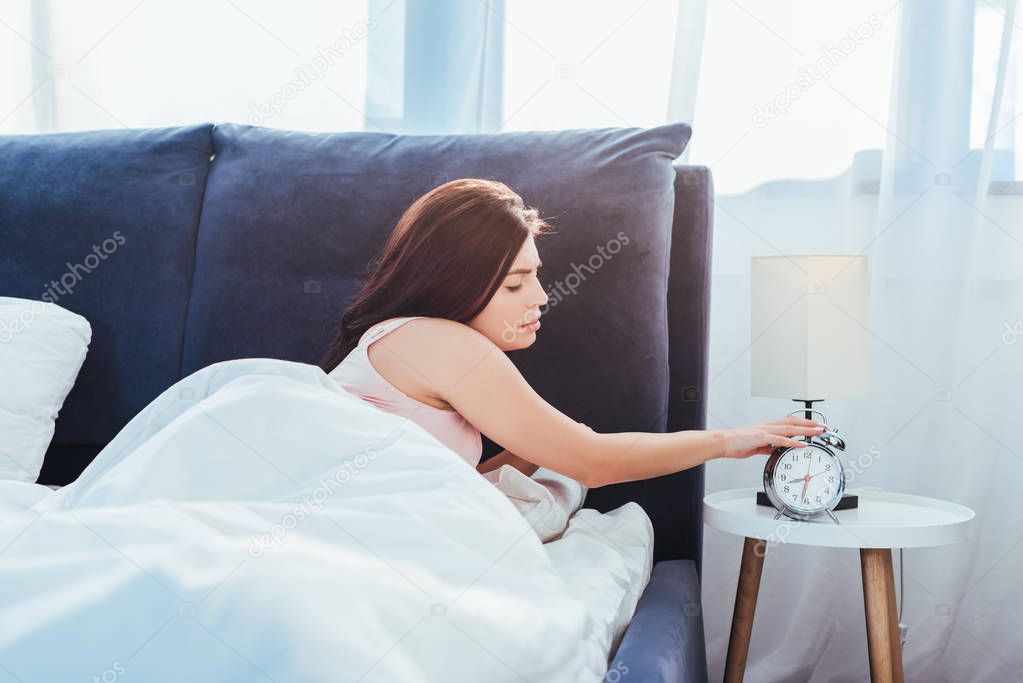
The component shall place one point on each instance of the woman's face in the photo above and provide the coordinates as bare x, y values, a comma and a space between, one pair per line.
512, 316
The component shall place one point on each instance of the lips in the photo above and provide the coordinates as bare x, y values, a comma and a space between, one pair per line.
531, 326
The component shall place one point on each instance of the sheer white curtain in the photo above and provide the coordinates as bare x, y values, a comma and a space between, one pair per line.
67, 65
401, 66
885, 127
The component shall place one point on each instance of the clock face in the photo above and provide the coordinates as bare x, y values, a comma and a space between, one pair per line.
807, 479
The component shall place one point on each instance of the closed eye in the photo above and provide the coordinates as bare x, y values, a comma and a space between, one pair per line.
516, 272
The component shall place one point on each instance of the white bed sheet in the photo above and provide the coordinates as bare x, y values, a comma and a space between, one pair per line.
154, 524
605, 558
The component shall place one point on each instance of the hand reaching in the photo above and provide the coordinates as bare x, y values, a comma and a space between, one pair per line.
763, 438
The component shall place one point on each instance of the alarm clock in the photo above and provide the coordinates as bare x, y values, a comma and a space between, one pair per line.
808, 481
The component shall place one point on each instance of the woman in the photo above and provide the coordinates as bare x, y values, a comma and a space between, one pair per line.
455, 286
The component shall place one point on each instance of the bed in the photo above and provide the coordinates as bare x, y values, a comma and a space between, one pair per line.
243, 242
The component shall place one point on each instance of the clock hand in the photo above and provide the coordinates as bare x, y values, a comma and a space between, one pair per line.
806, 479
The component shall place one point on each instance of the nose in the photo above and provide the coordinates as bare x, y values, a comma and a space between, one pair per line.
542, 295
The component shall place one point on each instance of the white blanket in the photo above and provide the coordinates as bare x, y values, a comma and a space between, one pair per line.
257, 522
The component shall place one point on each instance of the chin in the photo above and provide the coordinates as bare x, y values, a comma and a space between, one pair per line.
523, 341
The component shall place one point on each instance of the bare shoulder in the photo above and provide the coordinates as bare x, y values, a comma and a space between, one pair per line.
441, 346
425, 355
440, 336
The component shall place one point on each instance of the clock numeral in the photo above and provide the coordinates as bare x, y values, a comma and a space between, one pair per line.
788, 466
827, 467
786, 489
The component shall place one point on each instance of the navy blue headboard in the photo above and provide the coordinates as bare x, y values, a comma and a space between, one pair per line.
244, 242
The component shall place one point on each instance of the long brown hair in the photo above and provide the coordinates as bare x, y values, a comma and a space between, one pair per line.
445, 258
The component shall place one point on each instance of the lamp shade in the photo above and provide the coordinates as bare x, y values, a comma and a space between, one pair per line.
809, 326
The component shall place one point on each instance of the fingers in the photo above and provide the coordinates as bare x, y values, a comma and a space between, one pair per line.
769, 448
799, 421
777, 440
802, 421
754, 441
790, 431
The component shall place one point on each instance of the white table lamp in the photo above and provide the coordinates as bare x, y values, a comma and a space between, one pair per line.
809, 327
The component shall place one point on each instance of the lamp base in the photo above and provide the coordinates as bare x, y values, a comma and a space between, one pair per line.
849, 501
808, 406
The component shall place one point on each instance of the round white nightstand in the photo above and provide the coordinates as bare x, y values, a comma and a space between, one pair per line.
882, 521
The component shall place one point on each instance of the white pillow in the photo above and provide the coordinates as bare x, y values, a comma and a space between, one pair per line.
42, 348
547, 499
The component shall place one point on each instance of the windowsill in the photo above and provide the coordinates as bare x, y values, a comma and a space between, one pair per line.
997, 187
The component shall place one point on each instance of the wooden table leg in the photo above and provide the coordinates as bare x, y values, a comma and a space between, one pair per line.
893, 620
753, 551
882, 619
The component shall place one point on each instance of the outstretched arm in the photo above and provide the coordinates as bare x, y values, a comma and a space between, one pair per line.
477, 379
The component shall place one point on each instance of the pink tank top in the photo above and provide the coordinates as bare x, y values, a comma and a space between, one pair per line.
357, 375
